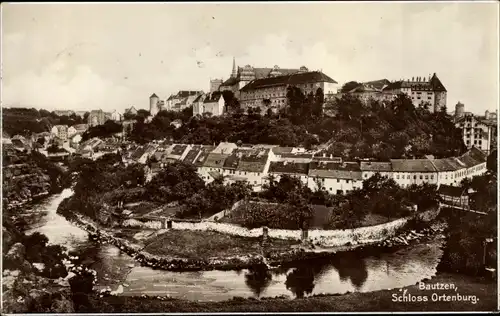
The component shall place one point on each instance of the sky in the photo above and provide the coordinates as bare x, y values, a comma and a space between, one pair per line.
85, 56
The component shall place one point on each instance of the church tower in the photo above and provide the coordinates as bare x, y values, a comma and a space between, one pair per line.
234, 73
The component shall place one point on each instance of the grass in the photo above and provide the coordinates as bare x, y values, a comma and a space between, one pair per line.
141, 208
206, 244
379, 301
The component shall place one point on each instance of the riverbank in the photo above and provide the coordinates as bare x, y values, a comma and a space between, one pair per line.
270, 257
485, 293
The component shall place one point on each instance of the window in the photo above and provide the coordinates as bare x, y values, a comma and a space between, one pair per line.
397, 176
408, 177
338, 180
421, 177
255, 182
330, 189
426, 177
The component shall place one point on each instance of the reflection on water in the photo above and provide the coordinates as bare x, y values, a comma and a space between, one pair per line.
346, 272
258, 279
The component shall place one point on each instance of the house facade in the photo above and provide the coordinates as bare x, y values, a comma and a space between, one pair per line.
271, 92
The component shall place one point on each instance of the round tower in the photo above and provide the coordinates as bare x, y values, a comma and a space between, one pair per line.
459, 109
487, 114
153, 104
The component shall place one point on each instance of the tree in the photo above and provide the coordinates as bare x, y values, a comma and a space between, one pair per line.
348, 86
491, 162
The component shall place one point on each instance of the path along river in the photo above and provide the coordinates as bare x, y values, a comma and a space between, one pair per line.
347, 272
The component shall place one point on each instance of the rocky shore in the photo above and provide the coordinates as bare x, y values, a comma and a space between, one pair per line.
270, 259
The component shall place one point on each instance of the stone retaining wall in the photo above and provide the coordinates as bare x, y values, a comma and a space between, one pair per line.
327, 238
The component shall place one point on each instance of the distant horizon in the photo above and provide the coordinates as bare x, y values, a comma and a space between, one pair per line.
74, 56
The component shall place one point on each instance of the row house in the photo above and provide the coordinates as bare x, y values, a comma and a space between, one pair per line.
299, 170
449, 170
335, 178
370, 168
413, 171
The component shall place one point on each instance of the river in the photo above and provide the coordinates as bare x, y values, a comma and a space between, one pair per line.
347, 272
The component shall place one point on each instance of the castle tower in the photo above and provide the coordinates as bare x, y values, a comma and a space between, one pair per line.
234, 73
459, 110
215, 84
153, 104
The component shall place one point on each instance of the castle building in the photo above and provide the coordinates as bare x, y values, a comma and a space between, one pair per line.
241, 76
153, 104
182, 100
270, 92
215, 84
422, 91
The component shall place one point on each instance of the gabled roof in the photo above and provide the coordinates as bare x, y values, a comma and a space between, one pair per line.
347, 170
192, 154
293, 79
213, 97
376, 166
446, 164
199, 98
412, 165
436, 83
187, 93
215, 160
285, 167
154, 95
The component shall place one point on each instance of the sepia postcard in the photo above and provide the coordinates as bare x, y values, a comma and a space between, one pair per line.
244, 157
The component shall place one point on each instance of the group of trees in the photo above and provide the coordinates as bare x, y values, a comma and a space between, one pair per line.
465, 248
105, 130
380, 130
24, 121
383, 196
97, 179
214, 198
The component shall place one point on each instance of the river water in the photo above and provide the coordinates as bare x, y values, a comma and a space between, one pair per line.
347, 272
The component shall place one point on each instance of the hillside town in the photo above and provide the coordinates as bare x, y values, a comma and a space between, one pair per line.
235, 158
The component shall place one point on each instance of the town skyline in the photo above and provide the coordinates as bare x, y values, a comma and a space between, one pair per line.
63, 52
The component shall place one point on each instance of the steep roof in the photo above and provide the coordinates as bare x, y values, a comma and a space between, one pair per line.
230, 82
446, 164
187, 93
293, 79
213, 97
289, 167
199, 98
154, 95
377, 84
436, 84
412, 165
192, 154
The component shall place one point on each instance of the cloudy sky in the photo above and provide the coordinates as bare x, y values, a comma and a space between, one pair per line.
112, 56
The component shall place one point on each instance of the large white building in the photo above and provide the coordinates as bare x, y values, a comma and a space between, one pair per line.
480, 132
271, 92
